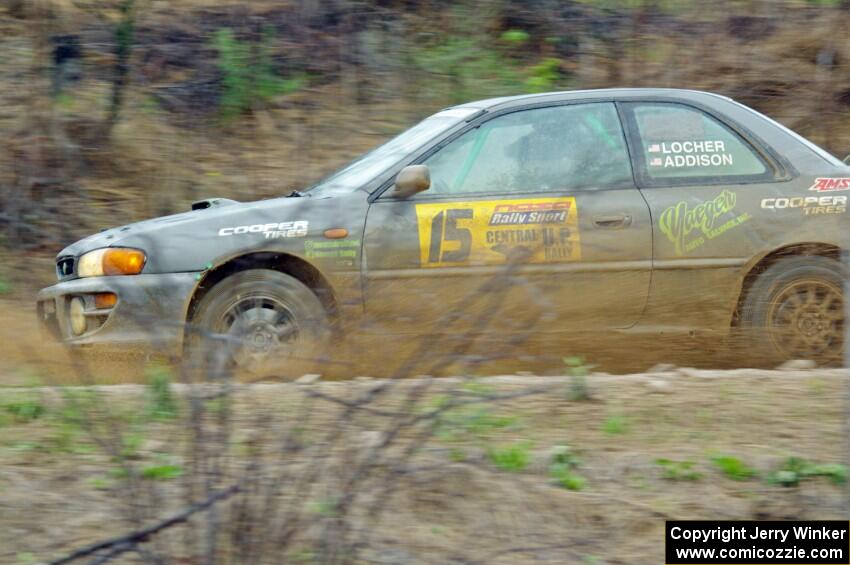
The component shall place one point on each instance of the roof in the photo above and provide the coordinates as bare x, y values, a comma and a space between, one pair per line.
490, 103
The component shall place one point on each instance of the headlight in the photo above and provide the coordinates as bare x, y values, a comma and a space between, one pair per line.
111, 261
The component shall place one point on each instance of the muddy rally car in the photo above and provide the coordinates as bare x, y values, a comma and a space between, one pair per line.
629, 212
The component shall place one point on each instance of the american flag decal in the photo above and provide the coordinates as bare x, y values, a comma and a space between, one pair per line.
655, 162
654, 148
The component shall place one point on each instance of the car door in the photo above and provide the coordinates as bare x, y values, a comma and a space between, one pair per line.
703, 179
532, 220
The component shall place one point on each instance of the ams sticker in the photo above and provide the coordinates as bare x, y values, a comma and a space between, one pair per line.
688, 228
492, 232
830, 184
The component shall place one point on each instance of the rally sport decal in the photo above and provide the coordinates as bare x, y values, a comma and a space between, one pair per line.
493, 232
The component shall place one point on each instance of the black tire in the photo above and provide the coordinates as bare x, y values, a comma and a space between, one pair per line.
261, 322
795, 310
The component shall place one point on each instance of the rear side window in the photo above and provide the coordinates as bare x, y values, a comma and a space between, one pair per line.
682, 143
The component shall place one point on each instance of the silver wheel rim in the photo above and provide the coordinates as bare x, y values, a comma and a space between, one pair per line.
258, 328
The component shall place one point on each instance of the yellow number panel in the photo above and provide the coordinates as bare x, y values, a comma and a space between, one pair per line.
493, 232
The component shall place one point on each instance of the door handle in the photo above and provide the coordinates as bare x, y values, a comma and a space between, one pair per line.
615, 221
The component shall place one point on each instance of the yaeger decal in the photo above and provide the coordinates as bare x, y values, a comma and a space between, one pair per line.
538, 230
689, 227
830, 184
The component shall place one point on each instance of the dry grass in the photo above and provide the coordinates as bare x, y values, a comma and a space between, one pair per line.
465, 507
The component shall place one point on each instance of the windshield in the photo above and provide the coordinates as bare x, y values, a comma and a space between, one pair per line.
364, 169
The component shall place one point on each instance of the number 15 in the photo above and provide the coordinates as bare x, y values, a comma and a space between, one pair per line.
448, 220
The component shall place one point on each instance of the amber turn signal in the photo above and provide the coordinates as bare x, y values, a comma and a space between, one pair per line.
105, 300
123, 262
336, 233
111, 261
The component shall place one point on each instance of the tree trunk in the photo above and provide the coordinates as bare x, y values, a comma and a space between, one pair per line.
123, 50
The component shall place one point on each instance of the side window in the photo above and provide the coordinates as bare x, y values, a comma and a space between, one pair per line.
680, 142
564, 147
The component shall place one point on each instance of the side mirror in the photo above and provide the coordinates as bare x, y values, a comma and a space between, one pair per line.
847, 160
411, 180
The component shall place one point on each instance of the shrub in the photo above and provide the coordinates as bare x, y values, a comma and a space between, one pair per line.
578, 371
467, 68
678, 470
615, 425
249, 78
475, 421
131, 443
512, 458
161, 404
562, 468
25, 410
566, 478
162, 472
795, 469
515, 36
544, 75
733, 467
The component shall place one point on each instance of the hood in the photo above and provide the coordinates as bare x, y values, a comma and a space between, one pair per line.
204, 213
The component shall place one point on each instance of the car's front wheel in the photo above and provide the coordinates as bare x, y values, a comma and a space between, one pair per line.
795, 310
263, 322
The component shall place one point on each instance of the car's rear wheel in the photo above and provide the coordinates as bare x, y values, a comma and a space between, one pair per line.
262, 322
795, 310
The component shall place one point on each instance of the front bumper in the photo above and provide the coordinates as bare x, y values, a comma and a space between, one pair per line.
150, 312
